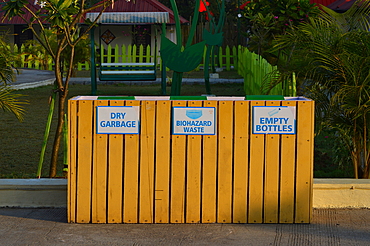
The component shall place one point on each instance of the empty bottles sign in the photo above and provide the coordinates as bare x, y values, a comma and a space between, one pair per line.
274, 120
117, 120
193, 121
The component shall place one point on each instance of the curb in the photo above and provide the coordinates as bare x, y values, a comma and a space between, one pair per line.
41, 193
23, 86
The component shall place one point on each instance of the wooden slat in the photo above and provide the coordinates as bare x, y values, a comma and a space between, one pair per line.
115, 174
146, 186
304, 161
241, 148
287, 174
256, 168
271, 192
162, 163
131, 175
99, 182
178, 156
193, 178
225, 153
72, 148
209, 174
84, 162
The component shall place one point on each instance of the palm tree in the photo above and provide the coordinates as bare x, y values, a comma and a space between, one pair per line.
9, 101
331, 56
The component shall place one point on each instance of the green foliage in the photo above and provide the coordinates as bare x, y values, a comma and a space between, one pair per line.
265, 19
12, 102
331, 160
34, 51
332, 59
9, 101
62, 16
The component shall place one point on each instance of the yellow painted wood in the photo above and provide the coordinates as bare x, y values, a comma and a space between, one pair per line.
177, 202
304, 161
256, 169
99, 182
272, 162
146, 186
193, 178
241, 149
209, 174
162, 163
233, 177
115, 174
72, 128
225, 159
131, 175
84, 147
287, 174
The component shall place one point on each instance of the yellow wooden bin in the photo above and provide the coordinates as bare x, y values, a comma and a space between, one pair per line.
233, 176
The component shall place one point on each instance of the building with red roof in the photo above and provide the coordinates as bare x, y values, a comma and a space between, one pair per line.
133, 22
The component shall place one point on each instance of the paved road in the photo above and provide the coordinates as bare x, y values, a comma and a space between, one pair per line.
49, 227
30, 78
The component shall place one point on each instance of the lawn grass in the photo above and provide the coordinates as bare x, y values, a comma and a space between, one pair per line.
21, 141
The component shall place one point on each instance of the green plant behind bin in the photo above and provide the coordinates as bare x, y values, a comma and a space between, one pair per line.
331, 56
181, 60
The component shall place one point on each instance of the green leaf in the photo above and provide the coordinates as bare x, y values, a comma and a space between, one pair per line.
213, 39
64, 4
181, 61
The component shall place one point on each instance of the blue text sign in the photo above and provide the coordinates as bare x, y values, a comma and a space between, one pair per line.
274, 120
193, 121
117, 119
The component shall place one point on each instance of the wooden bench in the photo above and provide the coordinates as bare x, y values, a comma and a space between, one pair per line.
127, 71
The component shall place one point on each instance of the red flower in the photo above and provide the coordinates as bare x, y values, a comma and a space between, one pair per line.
244, 4
207, 16
202, 8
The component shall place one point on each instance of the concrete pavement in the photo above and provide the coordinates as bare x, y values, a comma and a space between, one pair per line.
49, 227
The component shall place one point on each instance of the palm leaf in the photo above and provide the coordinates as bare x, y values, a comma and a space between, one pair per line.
11, 102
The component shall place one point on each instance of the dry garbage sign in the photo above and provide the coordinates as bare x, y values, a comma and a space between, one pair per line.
117, 120
274, 120
193, 121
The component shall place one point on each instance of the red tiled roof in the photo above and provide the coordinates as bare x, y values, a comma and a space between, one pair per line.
341, 5
322, 2
119, 6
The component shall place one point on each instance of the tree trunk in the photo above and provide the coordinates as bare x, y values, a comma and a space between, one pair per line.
58, 134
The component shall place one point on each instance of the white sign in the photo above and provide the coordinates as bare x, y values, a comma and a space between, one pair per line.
117, 120
194, 121
274, 120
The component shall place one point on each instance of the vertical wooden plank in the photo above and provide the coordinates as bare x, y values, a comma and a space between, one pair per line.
162, 162
287, 174
146, 187
84, 161
271, 194
72, 140
115, 174
99, 182
225, 159
193, 177
257, 155
209, 174
131, 175
177, 206
241, 147
305, 111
